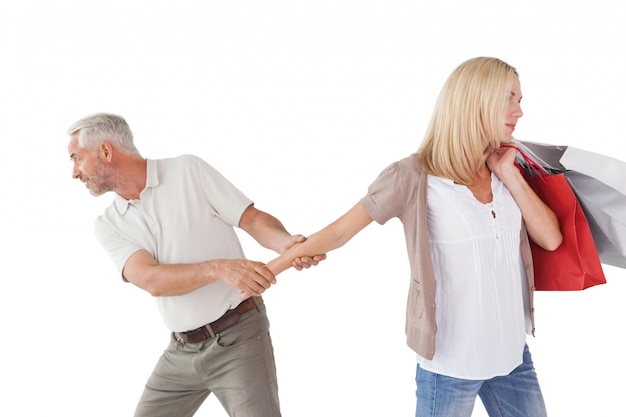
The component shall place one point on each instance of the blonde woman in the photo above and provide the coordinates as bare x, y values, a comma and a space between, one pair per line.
467, 316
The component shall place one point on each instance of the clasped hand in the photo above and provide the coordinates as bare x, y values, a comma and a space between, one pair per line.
252, 278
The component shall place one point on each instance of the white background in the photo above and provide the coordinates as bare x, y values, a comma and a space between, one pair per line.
301, 104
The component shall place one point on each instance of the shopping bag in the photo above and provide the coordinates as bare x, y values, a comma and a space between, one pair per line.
599, 182
575, 264
547, 155
605, 210
605, 169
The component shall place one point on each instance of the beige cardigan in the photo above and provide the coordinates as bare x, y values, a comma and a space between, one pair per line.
400, 191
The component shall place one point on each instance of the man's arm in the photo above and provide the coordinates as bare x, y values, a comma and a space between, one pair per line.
250, 277
267, 230
270, 233
145, 272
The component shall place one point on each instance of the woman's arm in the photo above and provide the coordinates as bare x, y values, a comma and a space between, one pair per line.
540, 220
331, 237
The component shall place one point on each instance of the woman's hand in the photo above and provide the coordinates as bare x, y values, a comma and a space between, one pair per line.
501, 161
541, 223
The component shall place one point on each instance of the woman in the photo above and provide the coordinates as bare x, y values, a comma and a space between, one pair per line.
460, 194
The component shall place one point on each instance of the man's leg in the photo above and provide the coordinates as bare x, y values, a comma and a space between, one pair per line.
239, 368
237, 365
173, 389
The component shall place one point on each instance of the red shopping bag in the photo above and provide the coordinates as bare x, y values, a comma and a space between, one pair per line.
575, 264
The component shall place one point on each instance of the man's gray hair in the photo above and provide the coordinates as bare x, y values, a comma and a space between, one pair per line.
97, 128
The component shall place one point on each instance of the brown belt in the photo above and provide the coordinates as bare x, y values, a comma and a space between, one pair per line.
228, 319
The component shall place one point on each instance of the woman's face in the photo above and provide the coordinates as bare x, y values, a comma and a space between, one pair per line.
513, 110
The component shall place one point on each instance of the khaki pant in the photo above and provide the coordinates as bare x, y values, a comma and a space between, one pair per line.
237, 366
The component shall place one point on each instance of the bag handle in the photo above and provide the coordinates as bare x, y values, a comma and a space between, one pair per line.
537, 168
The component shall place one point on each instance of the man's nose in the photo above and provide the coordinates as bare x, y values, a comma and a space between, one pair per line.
75, 172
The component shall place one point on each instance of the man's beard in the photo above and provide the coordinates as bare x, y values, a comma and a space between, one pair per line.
104, 182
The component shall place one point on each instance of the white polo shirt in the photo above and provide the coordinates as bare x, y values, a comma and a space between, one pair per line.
185, 214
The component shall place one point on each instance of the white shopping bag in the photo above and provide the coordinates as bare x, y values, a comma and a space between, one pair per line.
605, 169
605, 209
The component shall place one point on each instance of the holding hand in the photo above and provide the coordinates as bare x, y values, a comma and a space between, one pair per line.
501, 159
307, 261
303, 262
250, 277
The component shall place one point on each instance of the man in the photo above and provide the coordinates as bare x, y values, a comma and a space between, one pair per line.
170, 231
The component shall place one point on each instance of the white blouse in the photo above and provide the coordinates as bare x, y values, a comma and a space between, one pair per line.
482, 293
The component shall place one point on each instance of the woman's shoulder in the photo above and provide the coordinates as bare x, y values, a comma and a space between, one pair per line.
402, 173
410, 162
407, 166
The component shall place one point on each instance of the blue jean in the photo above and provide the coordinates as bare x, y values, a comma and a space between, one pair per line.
514, 395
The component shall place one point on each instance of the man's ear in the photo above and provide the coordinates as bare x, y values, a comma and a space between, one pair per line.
105, 151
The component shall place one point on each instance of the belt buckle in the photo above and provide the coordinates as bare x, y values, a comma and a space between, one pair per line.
182, 337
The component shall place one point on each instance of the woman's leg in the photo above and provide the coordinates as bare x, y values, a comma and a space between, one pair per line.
515, 395
443, 396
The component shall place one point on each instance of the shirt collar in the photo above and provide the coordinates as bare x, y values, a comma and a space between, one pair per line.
152, 180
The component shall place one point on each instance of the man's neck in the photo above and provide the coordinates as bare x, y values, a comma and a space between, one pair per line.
133, 180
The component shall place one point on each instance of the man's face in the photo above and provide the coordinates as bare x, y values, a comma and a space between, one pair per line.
96, 174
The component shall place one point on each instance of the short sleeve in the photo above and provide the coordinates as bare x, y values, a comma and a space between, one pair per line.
387, 195
117, 246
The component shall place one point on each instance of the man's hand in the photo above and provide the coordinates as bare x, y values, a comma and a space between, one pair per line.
271, 234
307, 261
250, 277
304, 262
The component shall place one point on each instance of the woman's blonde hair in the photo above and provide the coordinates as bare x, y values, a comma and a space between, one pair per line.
468, 119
